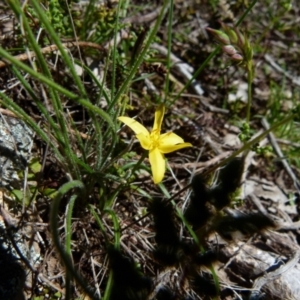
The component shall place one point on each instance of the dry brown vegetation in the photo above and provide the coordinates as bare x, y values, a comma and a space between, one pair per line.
207, 232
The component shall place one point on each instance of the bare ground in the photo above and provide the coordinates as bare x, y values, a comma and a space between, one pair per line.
251, 260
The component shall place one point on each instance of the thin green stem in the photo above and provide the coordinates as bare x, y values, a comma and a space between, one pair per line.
39, 104
66, 57
114, 52
208, 59
140, 57
245, 147
137, 165
241, 19
201, 68
117, 242
248, 145
116, 223
68, 243
195, 238
10, 104
170, 23
100, 224
193, 234
250, 79
56, 239
54, 96
109, 286
48, 82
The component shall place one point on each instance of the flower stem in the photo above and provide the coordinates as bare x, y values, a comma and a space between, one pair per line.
137, 165
250, 79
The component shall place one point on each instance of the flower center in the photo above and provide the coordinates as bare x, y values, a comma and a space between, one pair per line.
154, 137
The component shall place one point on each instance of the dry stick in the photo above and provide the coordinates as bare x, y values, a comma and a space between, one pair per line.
210, 168
201, 165
279, 225
222, 162
184, 69
274, 65
289, 226
140, 19
288, 143
92, 263
52, 48
50, 283
258, 204
261, 281
280, 155
204, 101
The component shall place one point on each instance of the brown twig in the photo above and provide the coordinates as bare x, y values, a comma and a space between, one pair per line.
201, 165
52, 48
279, 153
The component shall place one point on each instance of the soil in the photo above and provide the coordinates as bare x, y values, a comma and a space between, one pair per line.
213, 230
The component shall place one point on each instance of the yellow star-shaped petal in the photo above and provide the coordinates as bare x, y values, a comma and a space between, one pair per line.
157, 144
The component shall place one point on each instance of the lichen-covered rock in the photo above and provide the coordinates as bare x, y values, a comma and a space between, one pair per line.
15, 148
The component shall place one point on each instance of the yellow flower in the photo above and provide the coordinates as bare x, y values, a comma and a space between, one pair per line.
157, 144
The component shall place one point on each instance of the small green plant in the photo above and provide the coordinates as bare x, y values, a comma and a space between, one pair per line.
95, 171
237, 46
59, 17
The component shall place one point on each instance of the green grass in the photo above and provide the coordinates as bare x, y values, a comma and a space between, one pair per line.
282, 101
99, 170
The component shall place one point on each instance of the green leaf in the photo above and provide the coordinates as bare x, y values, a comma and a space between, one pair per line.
51, 193
18, 195
35, 165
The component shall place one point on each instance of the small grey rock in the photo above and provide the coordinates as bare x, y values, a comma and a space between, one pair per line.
16, 140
